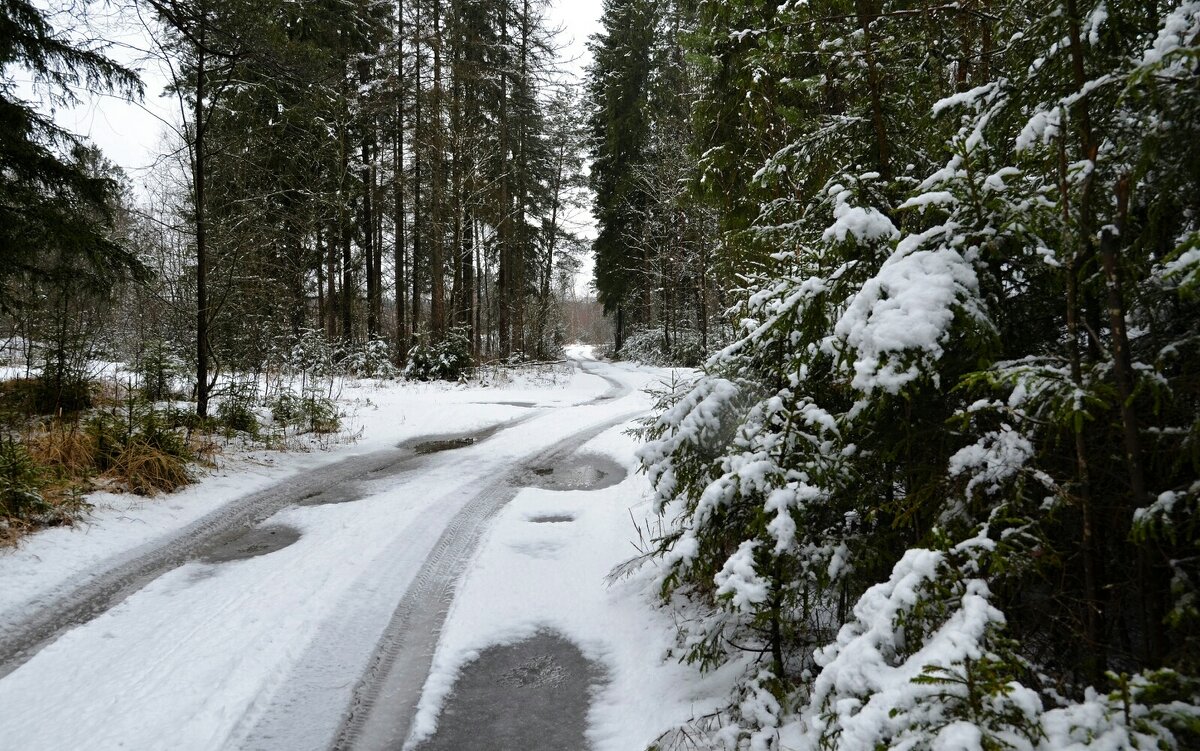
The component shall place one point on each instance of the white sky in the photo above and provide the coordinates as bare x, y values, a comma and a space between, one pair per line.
131, 134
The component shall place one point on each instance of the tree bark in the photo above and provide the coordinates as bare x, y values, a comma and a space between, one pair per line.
437, 262
418, 225
503, 229
201, 228
400, 219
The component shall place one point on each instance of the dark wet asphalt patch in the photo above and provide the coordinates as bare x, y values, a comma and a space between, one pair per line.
338, 494
250, 543
432, 447
552, 519
530, 696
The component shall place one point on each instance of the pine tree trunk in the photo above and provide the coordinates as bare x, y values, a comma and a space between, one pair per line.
400, 219
437, 262
504, 235
418, 148
331, 281
368, 226
201, 229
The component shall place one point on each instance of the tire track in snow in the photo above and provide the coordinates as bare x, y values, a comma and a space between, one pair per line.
47, 620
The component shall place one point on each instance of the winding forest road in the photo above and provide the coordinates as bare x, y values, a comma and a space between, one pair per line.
304, 616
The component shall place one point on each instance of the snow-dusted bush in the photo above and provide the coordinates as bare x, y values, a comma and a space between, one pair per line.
653, 346
447, 360
310, 412
370, 360
159, 368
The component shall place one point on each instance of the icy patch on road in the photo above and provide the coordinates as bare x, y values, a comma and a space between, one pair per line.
250, 543
533, 696
579, 472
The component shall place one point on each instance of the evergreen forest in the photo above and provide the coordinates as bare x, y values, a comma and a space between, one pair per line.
935, 486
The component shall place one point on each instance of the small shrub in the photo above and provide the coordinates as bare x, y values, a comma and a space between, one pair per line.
234, 415
158, 369
310, 412
371, 360
21, 481
157, 431
62, 390
286, 409
108, 434
18, 396
311, 353
186, 417
321, 414
447, 360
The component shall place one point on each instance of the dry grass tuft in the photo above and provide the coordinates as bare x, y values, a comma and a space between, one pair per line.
33, 496
147, 470
67, 449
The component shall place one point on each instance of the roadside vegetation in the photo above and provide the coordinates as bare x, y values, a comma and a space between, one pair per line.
138, 433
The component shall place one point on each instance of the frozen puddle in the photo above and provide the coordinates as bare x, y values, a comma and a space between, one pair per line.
580, 472
447, 442
529, 696
552, 519
432, 447
339, 494
251, 543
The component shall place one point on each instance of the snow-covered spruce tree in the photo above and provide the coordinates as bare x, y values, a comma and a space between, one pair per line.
959, 430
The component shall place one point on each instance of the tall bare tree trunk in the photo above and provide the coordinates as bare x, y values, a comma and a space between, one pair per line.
199, 165
418, 146
347, 236
401, 219
504, 230
331, 281
368, 227
437, 260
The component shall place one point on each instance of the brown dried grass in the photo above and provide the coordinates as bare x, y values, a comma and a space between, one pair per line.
66, 449
146, 470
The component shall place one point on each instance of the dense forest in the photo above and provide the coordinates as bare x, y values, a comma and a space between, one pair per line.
939, 488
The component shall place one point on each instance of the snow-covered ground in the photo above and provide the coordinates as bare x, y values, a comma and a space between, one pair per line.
379, 413
530, 576
208, 654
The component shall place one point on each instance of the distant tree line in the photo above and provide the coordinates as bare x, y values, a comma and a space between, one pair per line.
656, 266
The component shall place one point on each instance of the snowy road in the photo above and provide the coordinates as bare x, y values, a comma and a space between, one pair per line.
305, 615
